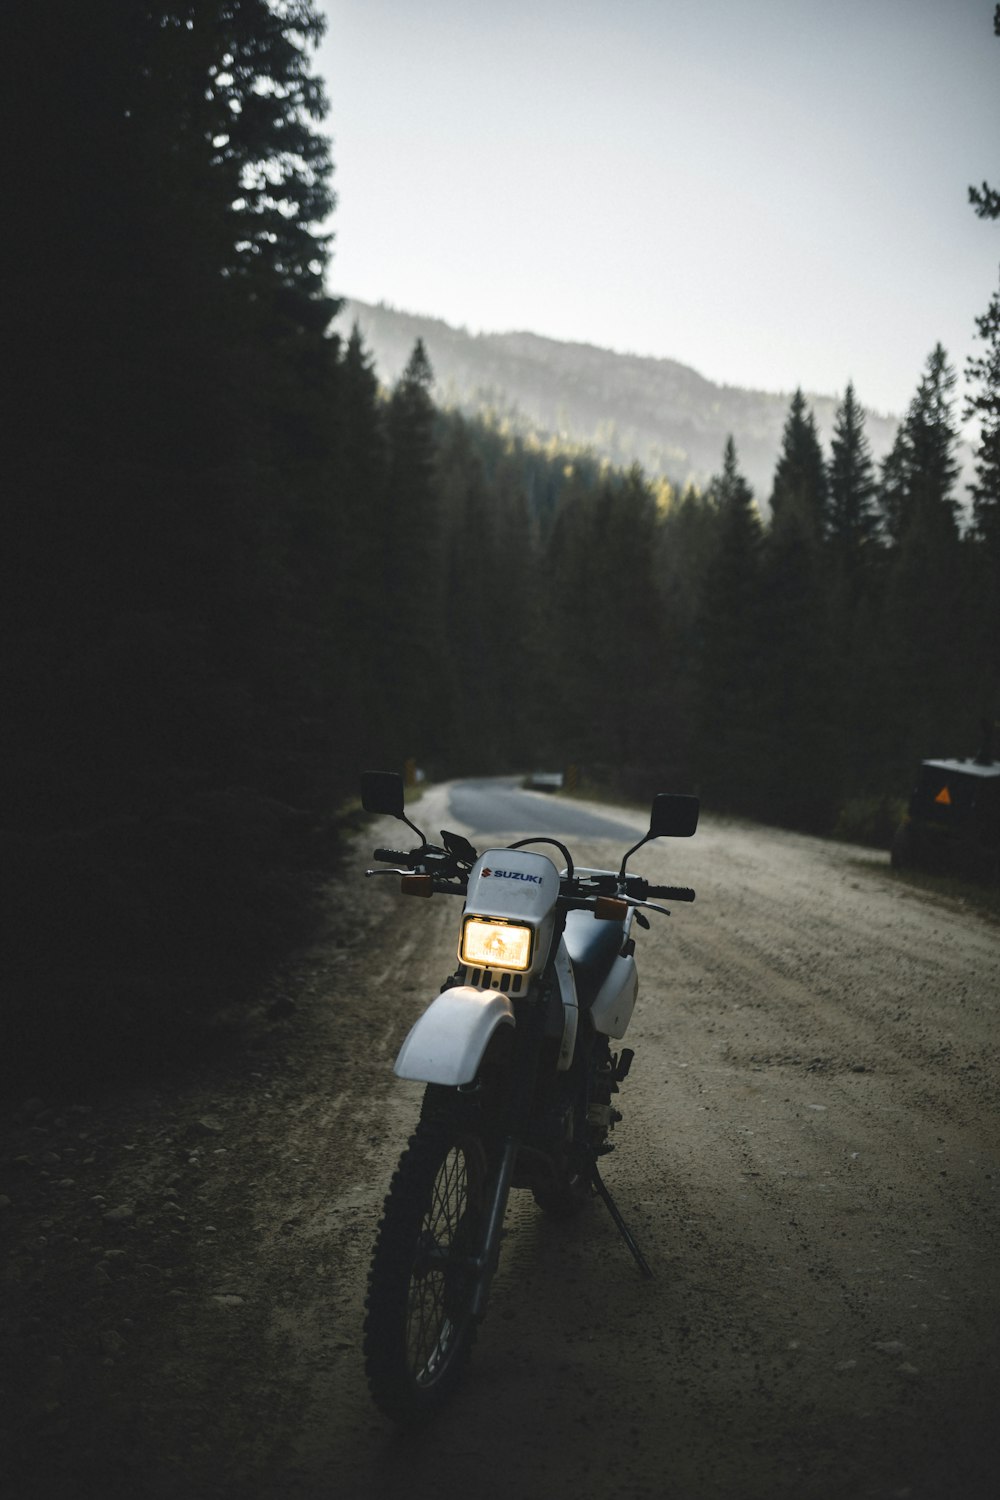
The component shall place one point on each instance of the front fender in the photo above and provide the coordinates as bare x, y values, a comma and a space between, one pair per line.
447, 1044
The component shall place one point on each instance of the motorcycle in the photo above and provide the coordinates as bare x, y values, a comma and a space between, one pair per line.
515, 1052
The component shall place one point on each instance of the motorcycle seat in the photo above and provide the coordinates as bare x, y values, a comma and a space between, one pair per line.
592, 947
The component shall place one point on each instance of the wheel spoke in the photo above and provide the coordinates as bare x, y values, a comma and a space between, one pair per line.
430, 1328
419, 1326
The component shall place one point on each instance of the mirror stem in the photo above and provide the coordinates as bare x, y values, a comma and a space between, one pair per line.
420, 835
628, 855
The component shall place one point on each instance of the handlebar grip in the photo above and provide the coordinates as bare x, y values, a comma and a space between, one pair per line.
672, 892
392, 857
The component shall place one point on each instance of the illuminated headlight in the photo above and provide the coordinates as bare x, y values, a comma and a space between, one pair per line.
488, 944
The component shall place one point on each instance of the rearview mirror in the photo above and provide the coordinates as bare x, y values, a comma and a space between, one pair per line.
382, 792
673, 816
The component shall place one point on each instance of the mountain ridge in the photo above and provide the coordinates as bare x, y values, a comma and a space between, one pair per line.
626, 408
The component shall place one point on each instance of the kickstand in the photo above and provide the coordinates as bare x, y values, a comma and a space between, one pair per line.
601, 1189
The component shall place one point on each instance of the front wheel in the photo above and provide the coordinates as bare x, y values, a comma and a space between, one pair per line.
419, 1328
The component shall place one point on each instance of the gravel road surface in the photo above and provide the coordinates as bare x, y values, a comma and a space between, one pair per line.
809, 1158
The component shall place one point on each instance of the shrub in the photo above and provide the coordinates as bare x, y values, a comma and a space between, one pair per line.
870, 820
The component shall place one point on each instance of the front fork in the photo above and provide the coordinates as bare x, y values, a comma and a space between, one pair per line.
524, 1072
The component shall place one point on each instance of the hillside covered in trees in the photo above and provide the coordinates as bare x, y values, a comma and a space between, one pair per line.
236, 572
624, 408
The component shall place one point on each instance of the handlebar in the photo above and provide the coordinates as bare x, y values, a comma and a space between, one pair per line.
578, 891
672, 892
636, 886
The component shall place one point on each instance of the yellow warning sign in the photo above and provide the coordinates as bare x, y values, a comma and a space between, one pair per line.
944, 797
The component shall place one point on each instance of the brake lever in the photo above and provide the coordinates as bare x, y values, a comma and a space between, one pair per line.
634, 902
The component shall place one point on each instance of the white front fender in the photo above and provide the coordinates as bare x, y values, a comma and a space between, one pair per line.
447, 1044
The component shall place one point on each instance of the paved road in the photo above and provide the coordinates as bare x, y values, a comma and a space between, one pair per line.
497, 808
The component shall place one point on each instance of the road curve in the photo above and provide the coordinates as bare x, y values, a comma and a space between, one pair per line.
497, 808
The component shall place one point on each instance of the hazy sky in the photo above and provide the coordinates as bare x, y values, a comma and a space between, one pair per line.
772, 191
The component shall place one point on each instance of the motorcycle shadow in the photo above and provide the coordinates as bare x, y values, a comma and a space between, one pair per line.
559, 1355
563, 1284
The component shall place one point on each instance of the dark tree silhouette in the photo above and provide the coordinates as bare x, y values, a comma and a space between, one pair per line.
800, 481
985, 199
853, 515
167, 433
729, 726
983, 375
798, 705
926, 644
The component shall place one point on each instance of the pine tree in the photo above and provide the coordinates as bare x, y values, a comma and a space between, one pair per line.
893, 486
984, 540
856, 583
727, 659
411, 517
798, 699
165, 460
853, 517
985, 199
983, 374
574, 576
604, 624
686, 541
932, 437
627, 620
926, 620
413, 666
493, 648
800, 479
918, 474
352, 559
984, 405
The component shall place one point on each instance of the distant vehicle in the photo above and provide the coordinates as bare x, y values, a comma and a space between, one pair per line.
953, 820
545, 781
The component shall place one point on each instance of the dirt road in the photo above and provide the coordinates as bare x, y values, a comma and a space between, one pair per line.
809, 1158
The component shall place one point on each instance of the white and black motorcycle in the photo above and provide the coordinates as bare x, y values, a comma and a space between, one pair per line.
516, 1055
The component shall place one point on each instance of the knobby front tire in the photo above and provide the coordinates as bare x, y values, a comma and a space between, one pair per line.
419, 1328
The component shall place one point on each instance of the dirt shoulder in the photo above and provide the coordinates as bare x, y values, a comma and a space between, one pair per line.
810, 1156
153, 1241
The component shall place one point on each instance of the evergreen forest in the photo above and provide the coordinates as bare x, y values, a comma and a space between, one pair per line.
236, 571
624, 408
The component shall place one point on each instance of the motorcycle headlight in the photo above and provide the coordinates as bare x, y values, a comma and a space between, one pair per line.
488, 943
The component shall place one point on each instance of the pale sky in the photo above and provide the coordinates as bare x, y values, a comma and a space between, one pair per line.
771, 191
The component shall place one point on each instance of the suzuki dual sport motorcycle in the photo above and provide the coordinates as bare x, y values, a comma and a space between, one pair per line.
516, 1055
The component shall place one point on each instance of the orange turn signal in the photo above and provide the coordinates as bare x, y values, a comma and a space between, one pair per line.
610, 909
417, 885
